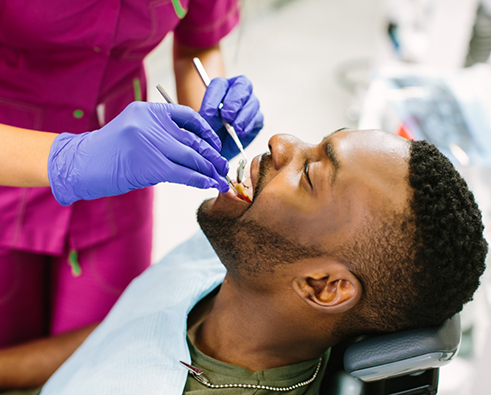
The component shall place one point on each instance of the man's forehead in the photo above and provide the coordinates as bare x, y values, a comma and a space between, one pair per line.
375, 133
376, 144
373, 165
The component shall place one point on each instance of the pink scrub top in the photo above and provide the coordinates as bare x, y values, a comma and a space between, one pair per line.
59, 61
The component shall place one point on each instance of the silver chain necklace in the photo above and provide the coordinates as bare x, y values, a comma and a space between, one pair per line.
198, 375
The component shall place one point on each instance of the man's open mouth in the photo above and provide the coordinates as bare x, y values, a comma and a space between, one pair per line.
244, 189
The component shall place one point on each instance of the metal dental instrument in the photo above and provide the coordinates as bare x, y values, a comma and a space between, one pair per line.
164, 94
170, 101
230, 129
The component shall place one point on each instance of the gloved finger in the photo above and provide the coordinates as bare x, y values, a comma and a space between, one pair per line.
253, 129
192, 178
223, 186
198, 147
245, 120
189, 119
214, 95
184, 155
193, 161
237, 96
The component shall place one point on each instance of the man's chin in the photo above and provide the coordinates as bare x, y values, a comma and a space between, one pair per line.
216, 214
226, 205
218, 221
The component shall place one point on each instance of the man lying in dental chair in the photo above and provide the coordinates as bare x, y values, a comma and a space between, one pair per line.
363, 233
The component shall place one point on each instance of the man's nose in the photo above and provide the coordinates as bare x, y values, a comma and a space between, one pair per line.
282, 148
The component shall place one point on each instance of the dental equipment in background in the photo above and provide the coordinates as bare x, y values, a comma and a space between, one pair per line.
230, 129
170, 101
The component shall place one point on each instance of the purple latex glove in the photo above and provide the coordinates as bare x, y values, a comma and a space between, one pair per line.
142, 146
240, 109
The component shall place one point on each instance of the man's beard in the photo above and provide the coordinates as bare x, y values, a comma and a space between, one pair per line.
247, 247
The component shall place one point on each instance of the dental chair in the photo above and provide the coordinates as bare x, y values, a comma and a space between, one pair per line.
401, 363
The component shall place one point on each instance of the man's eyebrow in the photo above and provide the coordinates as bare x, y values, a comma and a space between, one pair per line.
338, 130
330, 134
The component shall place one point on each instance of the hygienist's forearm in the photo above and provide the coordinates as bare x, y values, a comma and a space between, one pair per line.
24, 157
30, 365
190, 88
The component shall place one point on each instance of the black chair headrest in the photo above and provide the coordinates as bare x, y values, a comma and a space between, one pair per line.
405, 352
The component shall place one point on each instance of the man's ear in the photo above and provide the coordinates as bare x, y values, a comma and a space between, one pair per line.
332, 290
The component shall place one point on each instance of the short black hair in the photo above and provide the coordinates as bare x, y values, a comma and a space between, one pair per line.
419, 268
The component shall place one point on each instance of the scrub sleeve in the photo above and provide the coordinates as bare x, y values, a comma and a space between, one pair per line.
68, 66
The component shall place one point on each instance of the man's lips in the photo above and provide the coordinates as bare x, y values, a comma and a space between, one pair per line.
246, 188
256, 161
232, 196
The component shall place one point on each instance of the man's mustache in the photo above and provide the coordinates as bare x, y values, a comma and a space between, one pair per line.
264, 166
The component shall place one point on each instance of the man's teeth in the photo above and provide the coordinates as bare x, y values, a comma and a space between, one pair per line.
243, 191
247, 183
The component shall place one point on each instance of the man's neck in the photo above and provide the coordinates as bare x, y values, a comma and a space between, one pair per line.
245, 330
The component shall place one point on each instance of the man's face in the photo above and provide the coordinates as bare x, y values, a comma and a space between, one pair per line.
308, 199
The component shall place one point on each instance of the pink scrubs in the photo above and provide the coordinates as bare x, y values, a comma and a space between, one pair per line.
59, 62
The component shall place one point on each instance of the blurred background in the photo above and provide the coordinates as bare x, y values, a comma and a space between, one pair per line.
419, 68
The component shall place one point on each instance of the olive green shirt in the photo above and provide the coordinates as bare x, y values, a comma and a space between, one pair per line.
223, 373
218, 372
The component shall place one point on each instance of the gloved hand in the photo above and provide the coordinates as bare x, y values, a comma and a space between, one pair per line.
240, 109
142, 146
